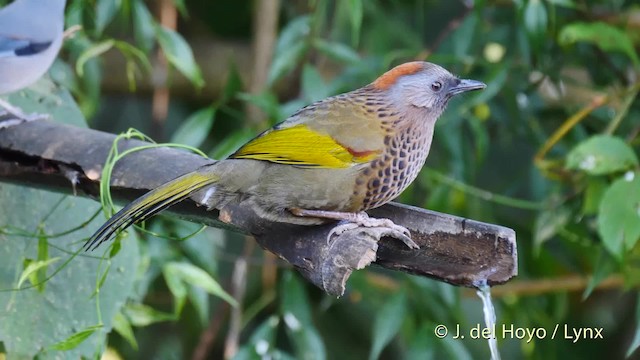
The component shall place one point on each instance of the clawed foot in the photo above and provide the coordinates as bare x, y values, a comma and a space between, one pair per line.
16, 116
15, 120
376, 227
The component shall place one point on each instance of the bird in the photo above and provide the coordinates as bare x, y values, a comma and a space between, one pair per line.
330, 161
31, 35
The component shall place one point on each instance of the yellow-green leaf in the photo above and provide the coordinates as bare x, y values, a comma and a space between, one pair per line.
605, 36
33, 267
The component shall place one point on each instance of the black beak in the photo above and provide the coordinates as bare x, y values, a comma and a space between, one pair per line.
464, 85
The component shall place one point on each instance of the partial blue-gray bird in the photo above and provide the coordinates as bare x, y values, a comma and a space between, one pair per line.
31, 34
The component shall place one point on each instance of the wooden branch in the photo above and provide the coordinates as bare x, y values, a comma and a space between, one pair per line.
455, 250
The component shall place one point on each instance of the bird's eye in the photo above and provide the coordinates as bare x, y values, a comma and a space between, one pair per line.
436, 86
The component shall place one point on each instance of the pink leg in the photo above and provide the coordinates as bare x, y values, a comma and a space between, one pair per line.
326, 214
18, 114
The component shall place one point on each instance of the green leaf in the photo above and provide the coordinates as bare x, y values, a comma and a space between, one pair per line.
535, 20
356, 11
105, 11
290, 48
596, 187
603, 267
194, 130
294, 299
199, 299
76, 339
92, 52
122, 326
455, 348
313, 85
387, 323
179, 54
295, 31
65, 306
286, 61
102, 279
480, 136
32, 267
231, 143
141, 315
178, 289
193, 275
306, 340
463, 36
422, 344
261, 342
602, 154
548, 223
233, 85
337, 51
37, 277
134, 57
619, 215
143, 26
296, 313
265, 101
606, 37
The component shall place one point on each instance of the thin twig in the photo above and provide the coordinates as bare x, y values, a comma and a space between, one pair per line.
238, 288
208, 337
71, 31
633, 134
570, 283
539, 287
622, 112
484, 194
264, 38
168, 17
568, 125
265, 23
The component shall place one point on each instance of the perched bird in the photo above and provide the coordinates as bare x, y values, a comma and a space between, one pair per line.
31, 34
331, 160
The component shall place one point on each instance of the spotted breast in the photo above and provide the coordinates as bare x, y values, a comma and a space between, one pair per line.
407, 142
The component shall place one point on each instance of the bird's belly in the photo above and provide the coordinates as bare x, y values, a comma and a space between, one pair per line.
307, 188
14, 77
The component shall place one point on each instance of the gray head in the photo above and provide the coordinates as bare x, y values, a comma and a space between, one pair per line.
423, 86
30, 10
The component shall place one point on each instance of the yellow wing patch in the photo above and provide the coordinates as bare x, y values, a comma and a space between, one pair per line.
299, 145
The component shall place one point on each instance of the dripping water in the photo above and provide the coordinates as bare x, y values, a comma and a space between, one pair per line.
484, 292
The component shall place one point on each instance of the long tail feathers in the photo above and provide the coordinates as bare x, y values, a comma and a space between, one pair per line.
150, 204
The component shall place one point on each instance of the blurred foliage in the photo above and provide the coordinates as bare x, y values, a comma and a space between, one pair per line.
550, 149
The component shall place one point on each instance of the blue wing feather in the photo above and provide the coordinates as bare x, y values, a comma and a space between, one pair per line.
21, 47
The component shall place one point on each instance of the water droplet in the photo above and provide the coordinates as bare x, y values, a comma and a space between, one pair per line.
262, 346
291, 321
589, 163
629, 176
